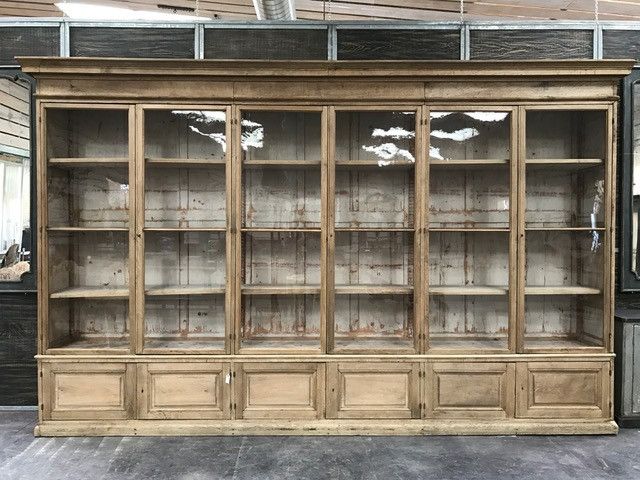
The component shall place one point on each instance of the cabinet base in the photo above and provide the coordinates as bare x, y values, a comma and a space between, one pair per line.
323, 427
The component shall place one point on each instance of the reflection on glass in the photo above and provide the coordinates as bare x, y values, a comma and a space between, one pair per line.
558, 134
185, 134
281, 135
375, 137
635, 182
15, 179
470, 136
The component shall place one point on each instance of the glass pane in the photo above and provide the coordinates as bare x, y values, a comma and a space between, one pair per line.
88, 196
469, 196
88, 323
184, 262
375, 138
635, 182
480, 135
86, 133
564, 289
281, 258
185, 196
281, 321
184, 322
277, 197
373, 321
198, 135
15, 173
89, 289
559, 134
373, 258
565, 196
469, 290
281, 136
468, 322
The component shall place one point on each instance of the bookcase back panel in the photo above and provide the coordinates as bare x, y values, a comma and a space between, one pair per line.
79, 133
479, 135
469, 259
185, 134
185, 259
282, 258
281, 197
381, 197
374, 258
472, 196
91, 196
178, 197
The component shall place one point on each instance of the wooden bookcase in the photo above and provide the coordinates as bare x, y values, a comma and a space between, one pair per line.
325, 247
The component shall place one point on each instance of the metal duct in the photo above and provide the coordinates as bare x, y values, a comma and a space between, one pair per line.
275, 9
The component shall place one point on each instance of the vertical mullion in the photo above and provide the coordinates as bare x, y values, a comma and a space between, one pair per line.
229, 297
609, 223
521, 240
42, 173
419, 272
236, 227
514, 232
323, 226
329, 227
137, 220
425, 226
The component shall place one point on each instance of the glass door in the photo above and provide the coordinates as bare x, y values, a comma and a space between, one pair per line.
88, 158
374, 230
470, 219
566, 174
184, 233
278, 269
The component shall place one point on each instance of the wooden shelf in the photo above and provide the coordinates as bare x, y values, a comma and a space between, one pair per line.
373, 289
276, 230
181, 162
91, 292
471, 230
280, 289
375, 229
184, 229
89, 161
87, 229
562, 290
468, 290
373, 163
173, 290
281, 163
469, 163
564, 229
564, 163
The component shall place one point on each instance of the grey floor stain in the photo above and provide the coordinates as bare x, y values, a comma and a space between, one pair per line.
344, 458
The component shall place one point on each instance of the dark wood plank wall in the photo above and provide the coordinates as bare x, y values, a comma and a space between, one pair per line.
530, 44
266, 44
18, 310
18, 382
15, 107
395, 44
132, 42
24, 41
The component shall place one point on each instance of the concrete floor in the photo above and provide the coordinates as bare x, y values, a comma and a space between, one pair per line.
192, 458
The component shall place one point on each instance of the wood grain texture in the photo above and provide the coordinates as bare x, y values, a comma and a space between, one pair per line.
621, 44
131, 42
397, 44
506, 44
263, 43
19, 41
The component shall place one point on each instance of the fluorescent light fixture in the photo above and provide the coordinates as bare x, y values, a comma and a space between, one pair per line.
89, 11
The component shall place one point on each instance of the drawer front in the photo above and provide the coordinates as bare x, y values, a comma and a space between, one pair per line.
373, 390
563, 390
468, 390
280, 390
184, 391
88, 391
